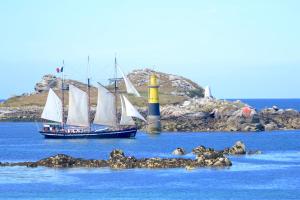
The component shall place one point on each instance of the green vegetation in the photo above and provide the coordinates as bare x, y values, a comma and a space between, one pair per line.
196, 93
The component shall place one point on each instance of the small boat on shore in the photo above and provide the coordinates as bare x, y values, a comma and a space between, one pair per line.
78, 123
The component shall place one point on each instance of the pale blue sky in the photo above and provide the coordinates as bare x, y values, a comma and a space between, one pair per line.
242, 49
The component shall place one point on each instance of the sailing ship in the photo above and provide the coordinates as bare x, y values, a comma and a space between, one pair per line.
78, 123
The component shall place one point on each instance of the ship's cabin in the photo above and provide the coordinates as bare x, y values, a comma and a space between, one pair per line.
51, 127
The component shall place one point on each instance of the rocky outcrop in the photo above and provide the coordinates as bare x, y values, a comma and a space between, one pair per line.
48, 81
179, 151
51, 81
61, 161
280, 119
204, 157
210, 115
169, 83
238, 148
194, 115
179, 111
118, 160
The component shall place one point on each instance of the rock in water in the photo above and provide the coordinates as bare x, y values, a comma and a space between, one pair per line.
116, 154
118, 160
202, 149
57, 161
238, 148
222, 161
179, 151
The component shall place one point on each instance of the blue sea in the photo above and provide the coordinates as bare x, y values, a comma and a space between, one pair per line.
273, 175
260, 104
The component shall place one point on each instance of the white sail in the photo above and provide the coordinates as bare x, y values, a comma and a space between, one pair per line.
207, 93
106, 108
53, 108
78, 114
129, 86
131, 110
125, 120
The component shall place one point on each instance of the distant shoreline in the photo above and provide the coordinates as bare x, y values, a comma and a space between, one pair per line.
194, 115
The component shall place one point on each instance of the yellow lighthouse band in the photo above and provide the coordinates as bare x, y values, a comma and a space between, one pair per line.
153, 90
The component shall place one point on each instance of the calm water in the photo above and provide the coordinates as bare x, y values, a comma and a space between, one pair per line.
268, 103
272, 175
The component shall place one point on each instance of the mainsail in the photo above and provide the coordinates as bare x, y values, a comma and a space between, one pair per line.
53, 108
129, 86
106, 108
78, 107
131, 110
125, 120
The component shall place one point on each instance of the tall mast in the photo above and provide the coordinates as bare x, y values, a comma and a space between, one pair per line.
116, 89
63, 95
89, 92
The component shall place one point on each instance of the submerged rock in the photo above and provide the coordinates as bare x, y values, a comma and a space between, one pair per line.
254, 152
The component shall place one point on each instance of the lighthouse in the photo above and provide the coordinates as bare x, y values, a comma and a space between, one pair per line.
154, 125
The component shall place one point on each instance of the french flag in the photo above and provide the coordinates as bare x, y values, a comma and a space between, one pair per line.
59, 69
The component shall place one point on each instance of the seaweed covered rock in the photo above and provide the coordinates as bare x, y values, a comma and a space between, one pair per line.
65, 161
238, 148
202, 149
116, 154
60, 160
118, 160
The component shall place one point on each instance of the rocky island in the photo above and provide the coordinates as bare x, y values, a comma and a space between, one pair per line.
183, 106
204, 157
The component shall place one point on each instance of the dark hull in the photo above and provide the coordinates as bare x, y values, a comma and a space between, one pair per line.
125, 133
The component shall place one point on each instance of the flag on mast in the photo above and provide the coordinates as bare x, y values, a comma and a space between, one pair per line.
59, 69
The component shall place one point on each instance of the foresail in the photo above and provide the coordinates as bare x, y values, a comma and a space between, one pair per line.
78, 107
53, 108
131, 110
129, 86
125, 120
106, 108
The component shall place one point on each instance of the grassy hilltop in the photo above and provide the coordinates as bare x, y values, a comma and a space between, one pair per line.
173, 89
